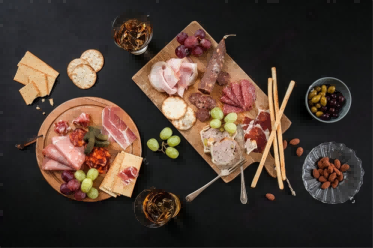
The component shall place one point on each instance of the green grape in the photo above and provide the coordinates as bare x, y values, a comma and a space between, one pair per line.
173, 140
230, 127
153, 144
92, 174
232, 117
79, 175
92, 193
217, 113
86, 185
166, 133
215, 123
172, 152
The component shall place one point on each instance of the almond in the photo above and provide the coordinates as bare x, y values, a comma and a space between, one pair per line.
326, 163
270, 197
345, 167
299, 151
338, 172
335, 183
321, 171
315, 173
325, 185
322, 179
332, 177
337, 163
330, 169
320, 165
323, 159
340, 177
326, 173
294, 142
285, 144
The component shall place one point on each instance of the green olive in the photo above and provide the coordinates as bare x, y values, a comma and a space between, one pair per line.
312, 94
310, 103
318, 105
319, 113
322, 94
331, 89
316, 99
323, 101
313, 109
318, 88
323, 88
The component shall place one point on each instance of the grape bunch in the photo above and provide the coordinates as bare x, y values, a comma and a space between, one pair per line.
195, 45
217, 115
168, 147
79, 184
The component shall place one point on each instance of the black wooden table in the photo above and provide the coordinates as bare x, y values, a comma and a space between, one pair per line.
303, 40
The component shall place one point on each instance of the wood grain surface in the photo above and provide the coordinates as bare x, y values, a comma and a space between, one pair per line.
68, 111
230, 66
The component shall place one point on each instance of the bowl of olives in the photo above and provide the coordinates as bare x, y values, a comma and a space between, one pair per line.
328, 99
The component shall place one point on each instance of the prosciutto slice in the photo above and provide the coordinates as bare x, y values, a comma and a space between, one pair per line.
157, 79
52, 165
116, 127
82, 120
74, 155
51, 152
128, 174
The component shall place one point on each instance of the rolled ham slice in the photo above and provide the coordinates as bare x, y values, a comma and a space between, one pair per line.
51, 152
74, 155
53, 165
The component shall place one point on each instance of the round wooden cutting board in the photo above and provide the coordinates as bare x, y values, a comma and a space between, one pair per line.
68, 111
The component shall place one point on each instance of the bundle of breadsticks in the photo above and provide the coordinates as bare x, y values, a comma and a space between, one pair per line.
275, 137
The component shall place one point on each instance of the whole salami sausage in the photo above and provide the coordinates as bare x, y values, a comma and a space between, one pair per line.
213, 68
223, 78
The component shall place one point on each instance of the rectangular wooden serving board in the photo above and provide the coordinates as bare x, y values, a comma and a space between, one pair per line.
193, 134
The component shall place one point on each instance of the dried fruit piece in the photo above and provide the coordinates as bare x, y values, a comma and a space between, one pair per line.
330, 169
337, 163
325, 185
315, 173
332, 177
326, 173
345, 167
322, 179
335, 184
299, 151
285, 144
270, 197
294, 142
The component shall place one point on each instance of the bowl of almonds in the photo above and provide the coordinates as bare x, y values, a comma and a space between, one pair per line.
332, 173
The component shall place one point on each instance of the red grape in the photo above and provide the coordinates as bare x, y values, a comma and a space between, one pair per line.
200, 34
205, 44
197, 51
67, 176
181, 38
73, 185
64, 189
79, 195
181, 51
191, 42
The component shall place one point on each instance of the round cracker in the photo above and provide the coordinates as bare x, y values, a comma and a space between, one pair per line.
83, 76
94, 58
187, 121
73, 64
174, 107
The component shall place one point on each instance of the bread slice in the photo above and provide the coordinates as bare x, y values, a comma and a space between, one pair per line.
40, 80
34, 62
29, 92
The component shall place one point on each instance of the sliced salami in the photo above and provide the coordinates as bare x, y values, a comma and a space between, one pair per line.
225, 99
236, 88
227, 91
248, 93
231, 109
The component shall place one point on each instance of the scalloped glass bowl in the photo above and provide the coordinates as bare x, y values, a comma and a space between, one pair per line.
353, 178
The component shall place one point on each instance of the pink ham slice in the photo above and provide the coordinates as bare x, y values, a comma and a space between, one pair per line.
51, 152
116, 127
74, 155
248, 94
52, 165
236, 88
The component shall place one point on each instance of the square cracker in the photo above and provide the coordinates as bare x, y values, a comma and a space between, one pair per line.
108, 182
40, 79
29, 92
34, 62
51, 81
119, 186
24, 71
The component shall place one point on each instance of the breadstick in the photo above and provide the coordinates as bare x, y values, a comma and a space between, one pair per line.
279, 129
273, 133
275, 147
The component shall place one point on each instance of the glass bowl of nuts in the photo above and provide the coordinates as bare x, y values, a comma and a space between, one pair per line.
332, 173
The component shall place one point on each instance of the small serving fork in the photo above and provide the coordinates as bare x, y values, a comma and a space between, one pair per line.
27, 143
223, 173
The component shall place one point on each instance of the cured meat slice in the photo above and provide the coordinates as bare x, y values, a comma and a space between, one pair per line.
82, 120
225, 99
62, 127
193, 98
116, 127
75, 155
236, 88
231, 109
257, 134
157, 80
248, 94
76, 137
50, 151
205, 102
128, 174
170, 76
247, 123
227, 91
264, 120
52, 165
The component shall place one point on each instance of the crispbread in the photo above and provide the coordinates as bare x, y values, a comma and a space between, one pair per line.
119, 187
34, 62
73, 64
94, 58
109, 180
51, 81
40, 80
29, 92
174, 108
187, 121
83, 76
22, 75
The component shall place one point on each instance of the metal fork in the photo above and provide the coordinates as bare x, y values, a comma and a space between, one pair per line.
223, 173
